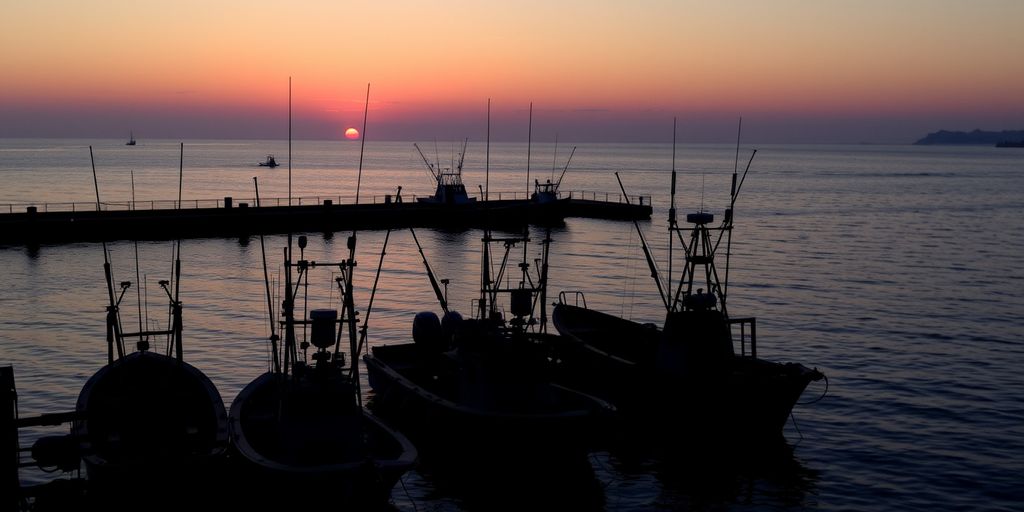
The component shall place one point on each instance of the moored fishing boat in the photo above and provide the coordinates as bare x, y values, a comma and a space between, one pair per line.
694, 366
482, 386
147, 416
450, 190
303, 423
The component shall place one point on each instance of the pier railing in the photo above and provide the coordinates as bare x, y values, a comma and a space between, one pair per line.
230, 202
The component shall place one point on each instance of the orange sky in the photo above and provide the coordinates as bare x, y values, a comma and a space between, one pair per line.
595, 70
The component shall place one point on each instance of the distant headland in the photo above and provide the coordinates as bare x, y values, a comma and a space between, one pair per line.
1005, 138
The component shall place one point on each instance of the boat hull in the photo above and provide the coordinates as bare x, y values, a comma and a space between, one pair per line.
149, 419
440, 402
741, 397
288, 430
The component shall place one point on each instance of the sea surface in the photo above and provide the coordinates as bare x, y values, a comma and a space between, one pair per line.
898, 271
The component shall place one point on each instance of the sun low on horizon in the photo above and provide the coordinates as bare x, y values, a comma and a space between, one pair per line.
845, 71
352, 134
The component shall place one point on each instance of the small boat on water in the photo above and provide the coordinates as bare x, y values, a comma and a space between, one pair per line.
480, 387
450, 189
269, 162
693, 367
303, 423
145, 416
131, 139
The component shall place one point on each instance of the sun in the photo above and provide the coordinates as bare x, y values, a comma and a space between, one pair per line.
351, 134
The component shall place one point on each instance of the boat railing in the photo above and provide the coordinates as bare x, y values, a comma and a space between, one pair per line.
577, 298
229, 202
748, 330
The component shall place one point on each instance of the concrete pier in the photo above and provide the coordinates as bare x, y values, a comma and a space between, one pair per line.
33, 226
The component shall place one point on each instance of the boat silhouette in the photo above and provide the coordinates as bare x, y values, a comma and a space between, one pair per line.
463, 384
269, 162
449, 187
147, 416
303, 423
131, 139
692, 367
479, 388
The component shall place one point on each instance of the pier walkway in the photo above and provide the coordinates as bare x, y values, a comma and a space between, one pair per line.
163, 220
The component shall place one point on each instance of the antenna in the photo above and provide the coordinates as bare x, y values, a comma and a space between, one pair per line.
672, 207
487, 160
289, 148
138, 289
529, 139
554, 158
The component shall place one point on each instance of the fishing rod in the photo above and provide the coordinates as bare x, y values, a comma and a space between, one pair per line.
430, 275
113, 317
647, 252
430, 166
349, 301
566, 168
276, 363
376, 279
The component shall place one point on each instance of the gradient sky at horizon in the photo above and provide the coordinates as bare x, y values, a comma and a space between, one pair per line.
796, 71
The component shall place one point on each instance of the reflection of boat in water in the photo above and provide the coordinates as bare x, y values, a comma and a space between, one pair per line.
304, 423
131, 139
450, 189
714, 380
269, 162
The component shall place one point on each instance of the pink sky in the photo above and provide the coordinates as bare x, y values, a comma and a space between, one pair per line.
866, 71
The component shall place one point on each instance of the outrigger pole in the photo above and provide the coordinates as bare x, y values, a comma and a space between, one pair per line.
647, 253
113, 318
276, 363
349, 301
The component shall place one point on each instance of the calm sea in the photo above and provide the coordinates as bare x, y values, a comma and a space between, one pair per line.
896, 270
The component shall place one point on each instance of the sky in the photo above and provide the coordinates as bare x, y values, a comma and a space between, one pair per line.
826, 71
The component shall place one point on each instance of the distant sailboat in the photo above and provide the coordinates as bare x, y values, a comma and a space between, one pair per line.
131, 139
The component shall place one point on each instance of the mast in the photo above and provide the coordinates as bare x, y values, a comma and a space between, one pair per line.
113, 318
672, 207
485, 257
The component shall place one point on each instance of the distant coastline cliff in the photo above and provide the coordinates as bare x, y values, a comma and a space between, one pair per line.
977, 137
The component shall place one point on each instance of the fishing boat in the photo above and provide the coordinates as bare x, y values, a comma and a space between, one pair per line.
303, 423
450, 189
481, 386
131, 139
147, 415
269, 162
696, 366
